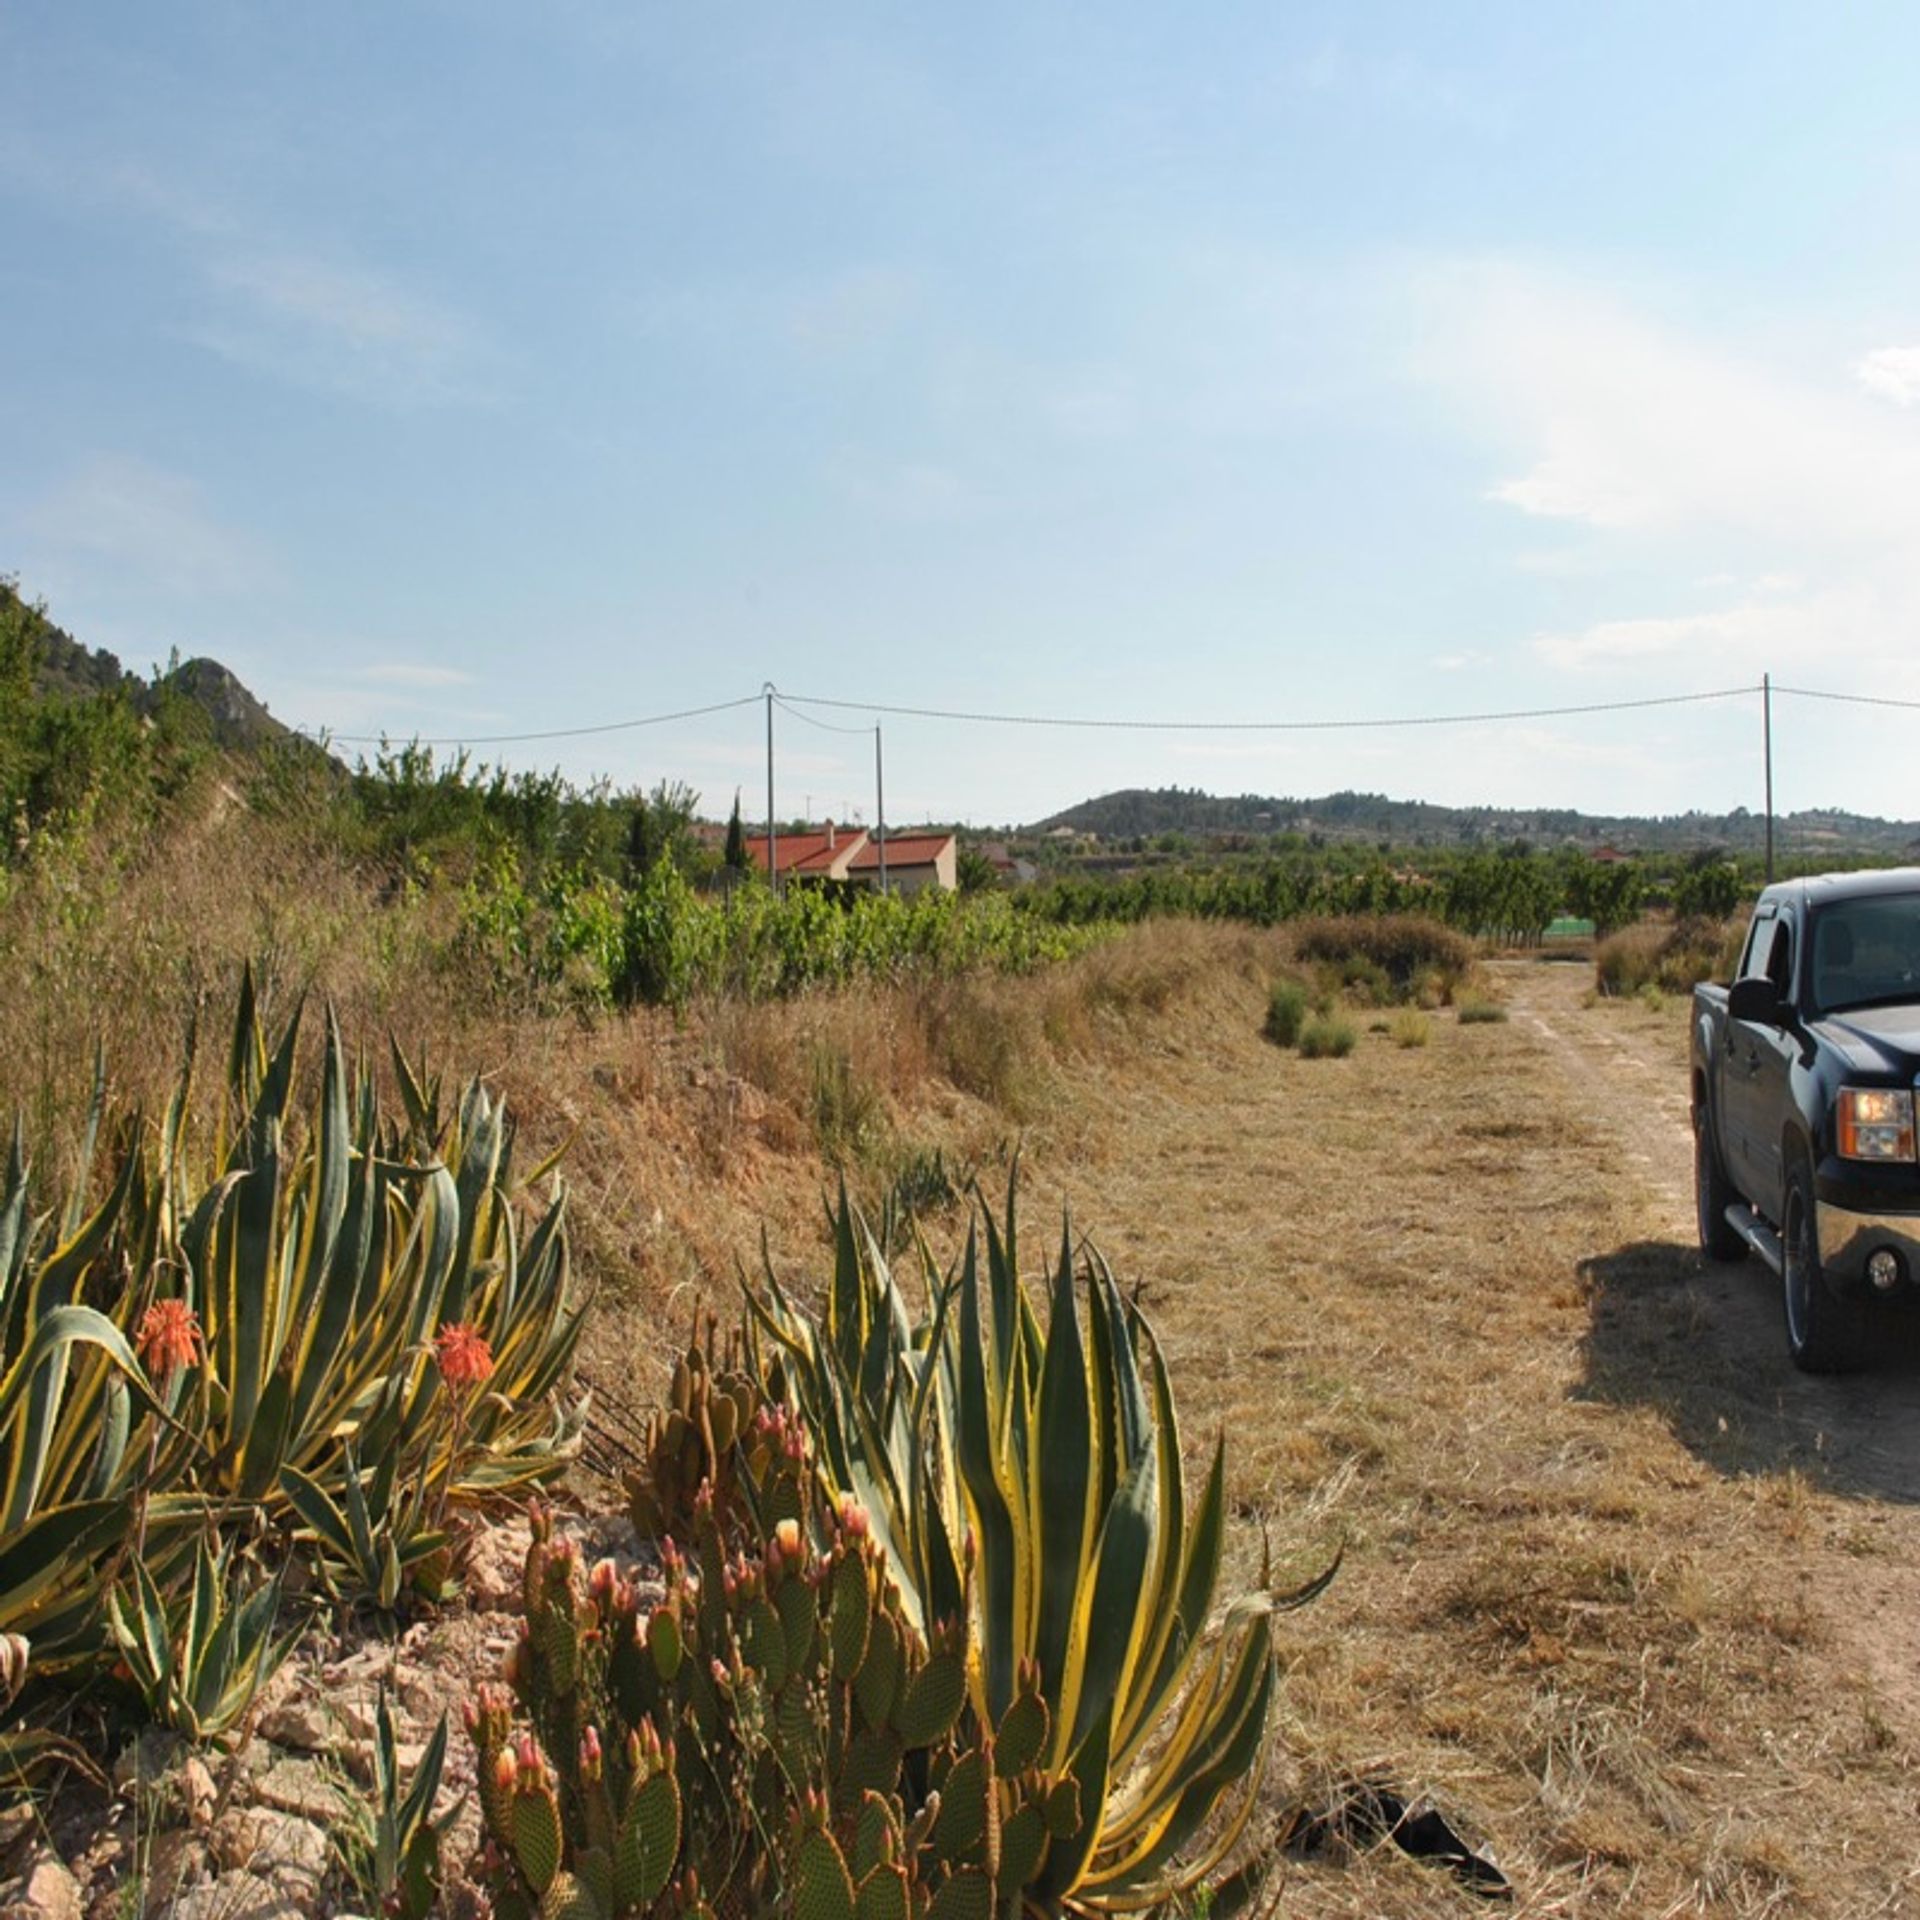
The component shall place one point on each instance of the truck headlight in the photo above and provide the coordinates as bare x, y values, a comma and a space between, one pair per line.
1875, 1123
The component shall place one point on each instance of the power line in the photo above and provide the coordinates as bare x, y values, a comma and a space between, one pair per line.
793, 704
825, 726
551, 733
1850, 699
1266, 726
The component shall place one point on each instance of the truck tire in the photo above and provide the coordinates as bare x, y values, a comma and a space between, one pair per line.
1825, 1334
1712, 1195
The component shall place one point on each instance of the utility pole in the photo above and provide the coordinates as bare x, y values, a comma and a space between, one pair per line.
880, 809
1766, 720
773, 832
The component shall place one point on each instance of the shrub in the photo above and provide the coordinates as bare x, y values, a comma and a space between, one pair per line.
1327, 1037
1672, 959
1286, 1012
1481, 1013
1409, 950
1410, 1028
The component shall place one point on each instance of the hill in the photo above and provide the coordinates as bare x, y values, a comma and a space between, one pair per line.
1139, 812
64, 669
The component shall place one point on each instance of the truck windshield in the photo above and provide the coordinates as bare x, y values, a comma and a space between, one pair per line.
1867, 952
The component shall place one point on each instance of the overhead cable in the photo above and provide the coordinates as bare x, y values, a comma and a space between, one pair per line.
551, 733
1268, 726
1851, 699
825, 726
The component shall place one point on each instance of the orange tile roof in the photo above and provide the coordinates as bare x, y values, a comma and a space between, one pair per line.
803, 852
904, 850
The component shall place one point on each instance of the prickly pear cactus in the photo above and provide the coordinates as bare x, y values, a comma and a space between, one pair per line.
771, 1734
691, 1442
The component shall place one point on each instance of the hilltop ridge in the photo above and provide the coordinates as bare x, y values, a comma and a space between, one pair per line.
1149, 813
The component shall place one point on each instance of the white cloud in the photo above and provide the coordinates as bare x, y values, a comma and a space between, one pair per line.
1634, 427
1854, 625
406, 673
126, 514
1893, 373
1468, 659
340, 326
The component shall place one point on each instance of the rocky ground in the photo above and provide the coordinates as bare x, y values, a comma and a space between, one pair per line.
258, 1832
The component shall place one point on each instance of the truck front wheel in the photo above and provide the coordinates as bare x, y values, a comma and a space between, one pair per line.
1824, 1333
1712, 1196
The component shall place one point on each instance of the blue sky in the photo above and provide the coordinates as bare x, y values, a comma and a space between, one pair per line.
470, 369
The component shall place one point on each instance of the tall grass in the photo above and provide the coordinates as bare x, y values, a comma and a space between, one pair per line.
1671, 957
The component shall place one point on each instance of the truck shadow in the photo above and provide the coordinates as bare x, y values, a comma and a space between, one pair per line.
1702, 1345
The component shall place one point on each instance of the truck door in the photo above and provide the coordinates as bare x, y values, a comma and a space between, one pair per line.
1771, 1084
1768, 955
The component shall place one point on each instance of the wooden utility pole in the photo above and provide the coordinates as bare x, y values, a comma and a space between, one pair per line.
773, 832
880, 810
1766, 721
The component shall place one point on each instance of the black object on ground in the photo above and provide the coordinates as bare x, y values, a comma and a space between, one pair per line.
1364, 1813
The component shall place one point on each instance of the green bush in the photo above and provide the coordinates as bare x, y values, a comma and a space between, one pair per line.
1286, 1012
1327, 1037
1481, 1013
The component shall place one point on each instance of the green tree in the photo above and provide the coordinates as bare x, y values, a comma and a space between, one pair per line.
974, 872
736, 857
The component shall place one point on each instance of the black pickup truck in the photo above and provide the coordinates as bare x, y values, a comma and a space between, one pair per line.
1804, 1075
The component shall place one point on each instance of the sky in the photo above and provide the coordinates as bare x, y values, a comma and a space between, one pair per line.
454, 369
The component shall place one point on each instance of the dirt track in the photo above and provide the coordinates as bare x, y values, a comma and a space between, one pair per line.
1735, 1399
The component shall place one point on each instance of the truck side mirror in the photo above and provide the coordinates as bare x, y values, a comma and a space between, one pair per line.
1756, 999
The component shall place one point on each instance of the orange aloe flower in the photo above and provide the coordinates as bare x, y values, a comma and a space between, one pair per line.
168, 1340
464, 1356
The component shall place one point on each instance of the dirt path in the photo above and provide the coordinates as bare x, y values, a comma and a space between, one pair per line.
1858, 1436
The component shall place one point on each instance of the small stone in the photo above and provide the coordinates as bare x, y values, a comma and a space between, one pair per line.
198, 1793
496, 1566
236, 1896
301, 1721
302, 1787
45, 1891
175, 1861
281, 1847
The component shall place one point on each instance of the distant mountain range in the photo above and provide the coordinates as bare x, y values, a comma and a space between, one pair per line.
1143, 813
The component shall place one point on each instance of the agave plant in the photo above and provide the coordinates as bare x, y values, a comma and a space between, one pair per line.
1055, 1448
319, 1261
70, 1386
322, 1276
199, 1665
391, 1847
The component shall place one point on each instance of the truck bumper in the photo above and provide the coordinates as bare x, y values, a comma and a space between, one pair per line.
1849, 1240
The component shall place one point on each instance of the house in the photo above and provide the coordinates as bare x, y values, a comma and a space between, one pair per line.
914, 861
825, 855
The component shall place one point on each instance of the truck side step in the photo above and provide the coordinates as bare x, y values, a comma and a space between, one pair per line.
1757, 1234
